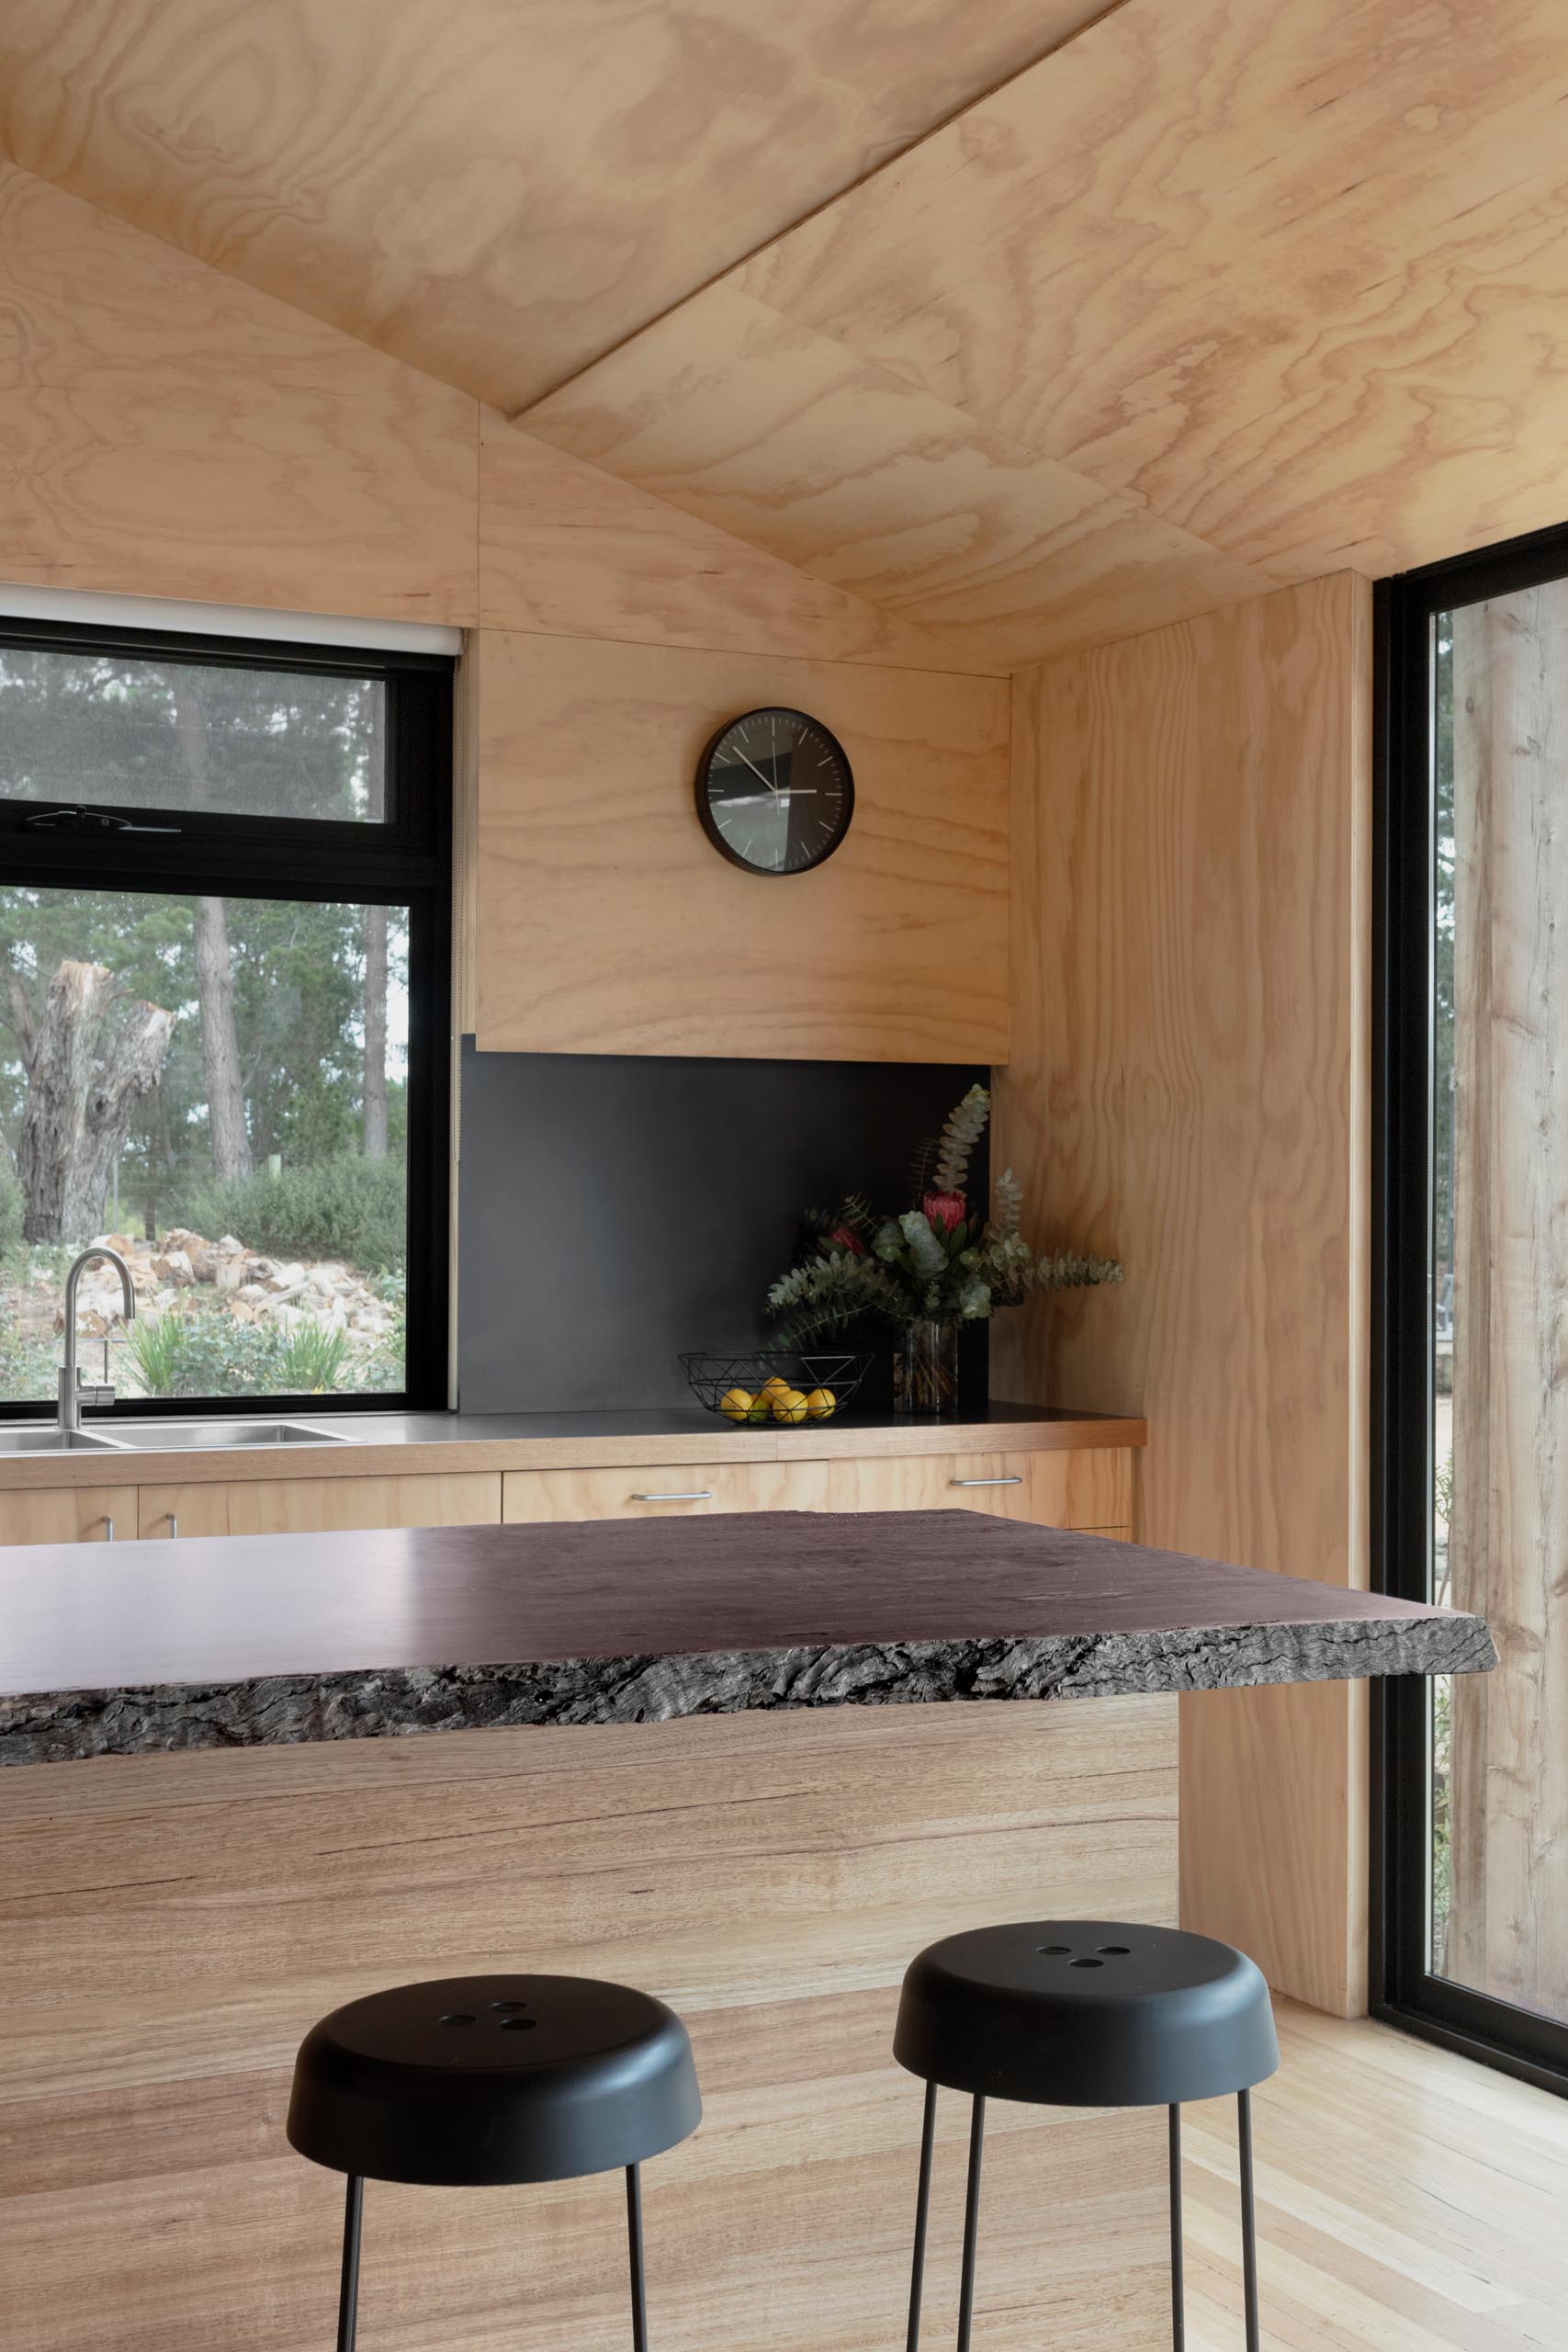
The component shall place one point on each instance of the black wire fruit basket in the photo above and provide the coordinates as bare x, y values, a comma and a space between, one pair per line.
790, 1387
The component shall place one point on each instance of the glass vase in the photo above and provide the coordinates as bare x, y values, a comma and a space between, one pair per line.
925, 1368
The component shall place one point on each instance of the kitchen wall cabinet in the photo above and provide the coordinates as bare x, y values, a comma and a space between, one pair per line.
314, 1505
1091, 1490
666, 1493
68, 1515
604, 922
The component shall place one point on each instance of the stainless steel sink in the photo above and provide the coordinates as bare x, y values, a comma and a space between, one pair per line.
201, 1437
53, 1440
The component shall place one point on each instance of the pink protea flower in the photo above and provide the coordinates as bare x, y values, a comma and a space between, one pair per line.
847, 1237
944, 1210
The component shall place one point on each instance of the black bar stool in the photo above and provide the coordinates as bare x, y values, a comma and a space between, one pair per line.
1084, 2013
473, 2081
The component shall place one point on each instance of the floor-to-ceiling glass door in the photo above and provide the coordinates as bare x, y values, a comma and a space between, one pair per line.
1473, 1290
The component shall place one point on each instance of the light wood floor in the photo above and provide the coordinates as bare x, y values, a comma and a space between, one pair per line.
1407, 2200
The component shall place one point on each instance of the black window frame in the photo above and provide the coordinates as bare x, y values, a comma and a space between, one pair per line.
1403, 1991
404, 860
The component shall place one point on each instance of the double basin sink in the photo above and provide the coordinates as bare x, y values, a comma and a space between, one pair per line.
167, 1437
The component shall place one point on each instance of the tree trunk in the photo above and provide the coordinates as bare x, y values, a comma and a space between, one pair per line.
214, 964
375, 1099
129, 1072
78, 1110
1507, 1931
60, 1069
221, 1043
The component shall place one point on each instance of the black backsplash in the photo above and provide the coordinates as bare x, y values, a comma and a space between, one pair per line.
615, 1210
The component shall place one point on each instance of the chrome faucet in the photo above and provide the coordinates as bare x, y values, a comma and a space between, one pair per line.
73, 1391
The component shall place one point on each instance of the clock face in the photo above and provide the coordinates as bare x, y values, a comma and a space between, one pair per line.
774, 792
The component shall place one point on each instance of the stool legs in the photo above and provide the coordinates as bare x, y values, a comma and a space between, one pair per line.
972, 2230
1248, 2219
348, 2293
971, 2223
353, 2231
1177, 2296
634, 2247
922, 2210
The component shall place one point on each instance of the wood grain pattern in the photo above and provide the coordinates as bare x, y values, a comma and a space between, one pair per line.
306, 1506
1200, 302
1285, 277
607, 923
568, 549
57, 1514
769, 1877
791, 438
499, 196
1191, 303
1188, 1090
1093, 1491
704, 1488
168, 433
1405, 2198
1508, 1930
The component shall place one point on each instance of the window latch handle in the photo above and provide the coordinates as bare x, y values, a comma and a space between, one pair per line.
86, 820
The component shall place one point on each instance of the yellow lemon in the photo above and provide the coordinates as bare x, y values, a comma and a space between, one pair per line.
736, 1403
821, 1405
773, 1388
790, 1406
762, 1408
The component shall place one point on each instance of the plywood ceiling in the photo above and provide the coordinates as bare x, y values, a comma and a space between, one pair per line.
495, 190
1200, 300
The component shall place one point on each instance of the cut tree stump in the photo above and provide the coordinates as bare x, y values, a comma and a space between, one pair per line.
81, 1100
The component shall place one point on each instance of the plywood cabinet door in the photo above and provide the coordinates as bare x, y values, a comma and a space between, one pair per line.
1093, 1489
68, 1515
315, 1506
666, 1493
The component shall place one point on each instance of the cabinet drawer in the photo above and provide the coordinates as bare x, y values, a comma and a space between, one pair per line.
68, 1515
669, 1493
1089, 1489
319, 1505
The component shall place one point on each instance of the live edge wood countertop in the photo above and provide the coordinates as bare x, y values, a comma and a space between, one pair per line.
389, 1445
263, 1639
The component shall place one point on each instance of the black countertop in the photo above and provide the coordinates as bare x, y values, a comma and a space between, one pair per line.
250, 1640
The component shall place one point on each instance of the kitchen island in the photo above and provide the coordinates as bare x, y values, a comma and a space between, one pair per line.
718, 1759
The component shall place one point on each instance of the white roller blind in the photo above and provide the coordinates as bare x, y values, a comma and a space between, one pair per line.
226, 620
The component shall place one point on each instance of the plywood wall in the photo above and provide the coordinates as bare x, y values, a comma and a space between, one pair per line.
166, 431
1189, 1089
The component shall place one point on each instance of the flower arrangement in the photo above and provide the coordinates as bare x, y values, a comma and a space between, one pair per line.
940, 1263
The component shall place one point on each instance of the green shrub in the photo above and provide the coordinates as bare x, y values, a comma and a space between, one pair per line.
312, 1359
28, 1359
201, 1351
347, 1208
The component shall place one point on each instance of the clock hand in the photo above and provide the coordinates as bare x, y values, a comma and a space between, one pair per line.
756, 771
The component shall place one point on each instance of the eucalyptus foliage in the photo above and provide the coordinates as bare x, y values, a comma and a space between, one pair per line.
941, 1259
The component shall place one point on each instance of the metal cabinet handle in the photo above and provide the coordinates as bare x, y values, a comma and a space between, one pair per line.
1017, 1480
174, 1522
108, 1527
697, 1495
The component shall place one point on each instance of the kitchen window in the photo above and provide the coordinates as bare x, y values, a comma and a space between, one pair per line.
1470, 1461
224, 944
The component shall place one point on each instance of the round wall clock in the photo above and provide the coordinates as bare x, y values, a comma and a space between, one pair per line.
774, 792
